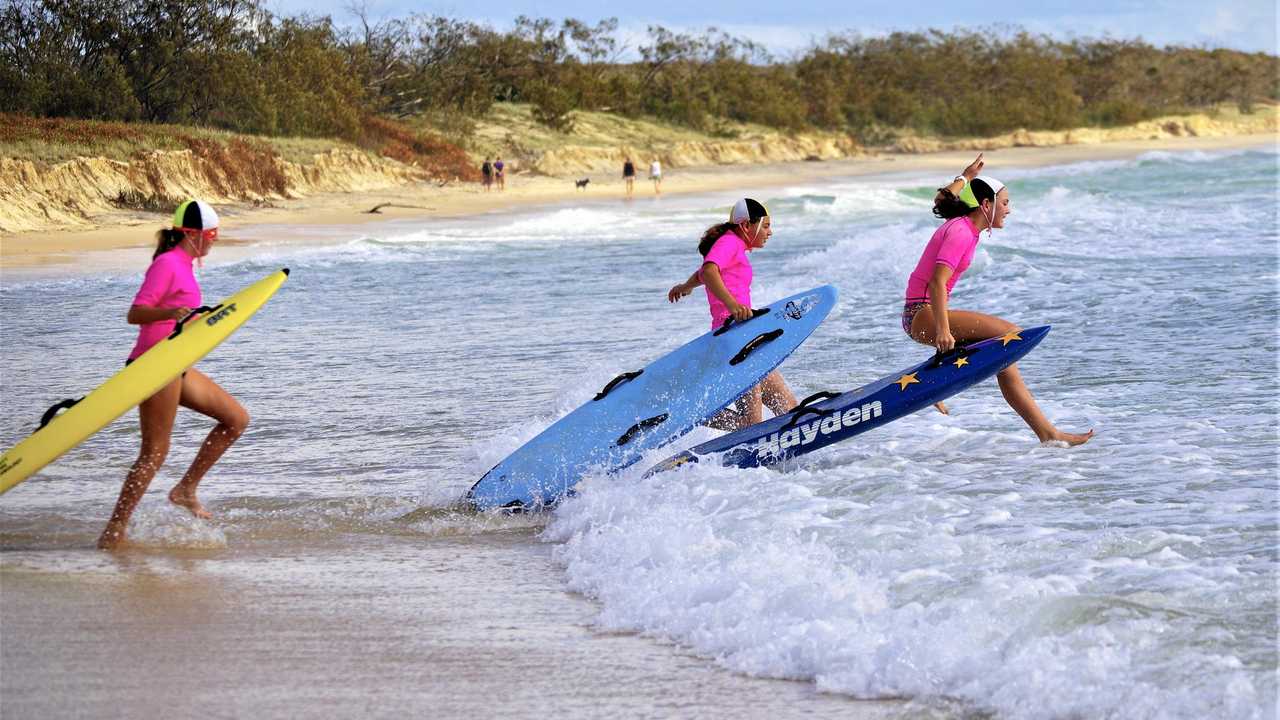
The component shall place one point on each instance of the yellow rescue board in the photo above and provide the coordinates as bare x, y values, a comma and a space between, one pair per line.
140, 380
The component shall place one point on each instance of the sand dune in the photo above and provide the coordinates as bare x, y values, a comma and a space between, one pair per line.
50, 212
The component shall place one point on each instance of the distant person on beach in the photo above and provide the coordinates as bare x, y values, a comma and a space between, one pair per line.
500, 173
970, 204
655, 174
629, 176
169, 292
486, 172
726, 274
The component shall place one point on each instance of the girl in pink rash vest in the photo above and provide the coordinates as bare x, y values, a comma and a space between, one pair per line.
726, 274
168, 293
969, 205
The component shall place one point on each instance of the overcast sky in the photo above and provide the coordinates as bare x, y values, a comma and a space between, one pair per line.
791, 25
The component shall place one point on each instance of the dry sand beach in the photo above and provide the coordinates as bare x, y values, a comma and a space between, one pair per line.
126, 229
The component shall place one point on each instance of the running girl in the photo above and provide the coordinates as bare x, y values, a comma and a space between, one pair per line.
982, 203
168, 293
726, 274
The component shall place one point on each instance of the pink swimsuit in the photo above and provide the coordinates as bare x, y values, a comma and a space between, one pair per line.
952, 245
170, 283
729, 254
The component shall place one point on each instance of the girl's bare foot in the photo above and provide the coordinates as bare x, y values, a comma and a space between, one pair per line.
188, 500
111, 538
942, 408
1071, 439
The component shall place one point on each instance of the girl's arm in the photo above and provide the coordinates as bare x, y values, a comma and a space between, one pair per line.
955, 186
942, 338
711, 278
684, 288
143, 314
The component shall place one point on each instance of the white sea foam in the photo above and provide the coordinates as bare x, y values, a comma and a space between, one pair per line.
883, 592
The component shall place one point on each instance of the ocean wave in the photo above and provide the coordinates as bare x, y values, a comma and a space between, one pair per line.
1148, 160
1196, 157
879, 593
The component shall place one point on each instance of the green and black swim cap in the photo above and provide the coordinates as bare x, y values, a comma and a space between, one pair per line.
195, 215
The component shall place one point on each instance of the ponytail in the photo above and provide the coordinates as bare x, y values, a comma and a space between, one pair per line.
948, 206
166, 240
714, 233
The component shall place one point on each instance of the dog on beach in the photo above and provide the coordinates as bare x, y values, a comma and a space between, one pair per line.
581, 184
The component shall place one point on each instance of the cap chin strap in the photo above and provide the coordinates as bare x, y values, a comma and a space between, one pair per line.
996, 188
199, 250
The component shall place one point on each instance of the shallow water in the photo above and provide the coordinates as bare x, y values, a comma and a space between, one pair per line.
950, 561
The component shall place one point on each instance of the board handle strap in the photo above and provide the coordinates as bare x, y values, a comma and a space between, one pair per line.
177, 329
53, 410
624, 377
729, 321
959, 351
756, 342
640, 427
803, 408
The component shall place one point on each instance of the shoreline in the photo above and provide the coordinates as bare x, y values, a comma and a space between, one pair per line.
125, 230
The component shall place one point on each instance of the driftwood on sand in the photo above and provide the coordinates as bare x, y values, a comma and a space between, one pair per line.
377, 209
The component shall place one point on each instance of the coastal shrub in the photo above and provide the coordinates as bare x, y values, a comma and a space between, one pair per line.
234, 65
437, 158
552, 106
303, 80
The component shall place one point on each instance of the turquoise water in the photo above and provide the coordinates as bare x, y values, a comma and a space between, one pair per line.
949, 560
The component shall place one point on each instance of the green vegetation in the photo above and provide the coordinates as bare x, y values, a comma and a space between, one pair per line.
51, 140
231, 65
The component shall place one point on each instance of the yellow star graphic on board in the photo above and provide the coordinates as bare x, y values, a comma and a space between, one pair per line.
906, 380
961, 361
1009, 337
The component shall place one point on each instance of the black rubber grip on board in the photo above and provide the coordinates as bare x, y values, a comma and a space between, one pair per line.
729, 321
803, 408
754, 344
959, 351
177, 329
624, 377
646, 424
53, 410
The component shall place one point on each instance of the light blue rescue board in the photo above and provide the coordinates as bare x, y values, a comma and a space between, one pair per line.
645, 409
824, 418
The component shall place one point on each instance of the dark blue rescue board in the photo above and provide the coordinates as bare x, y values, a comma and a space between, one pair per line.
826, 417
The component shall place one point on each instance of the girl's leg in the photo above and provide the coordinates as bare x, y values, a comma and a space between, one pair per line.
743, 412
969, 326
754, 410
776, 395
155, 416
203, 395
732, 417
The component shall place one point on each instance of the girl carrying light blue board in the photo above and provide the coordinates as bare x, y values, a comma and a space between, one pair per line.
726, 273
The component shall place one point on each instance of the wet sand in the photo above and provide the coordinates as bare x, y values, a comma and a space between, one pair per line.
355, 625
